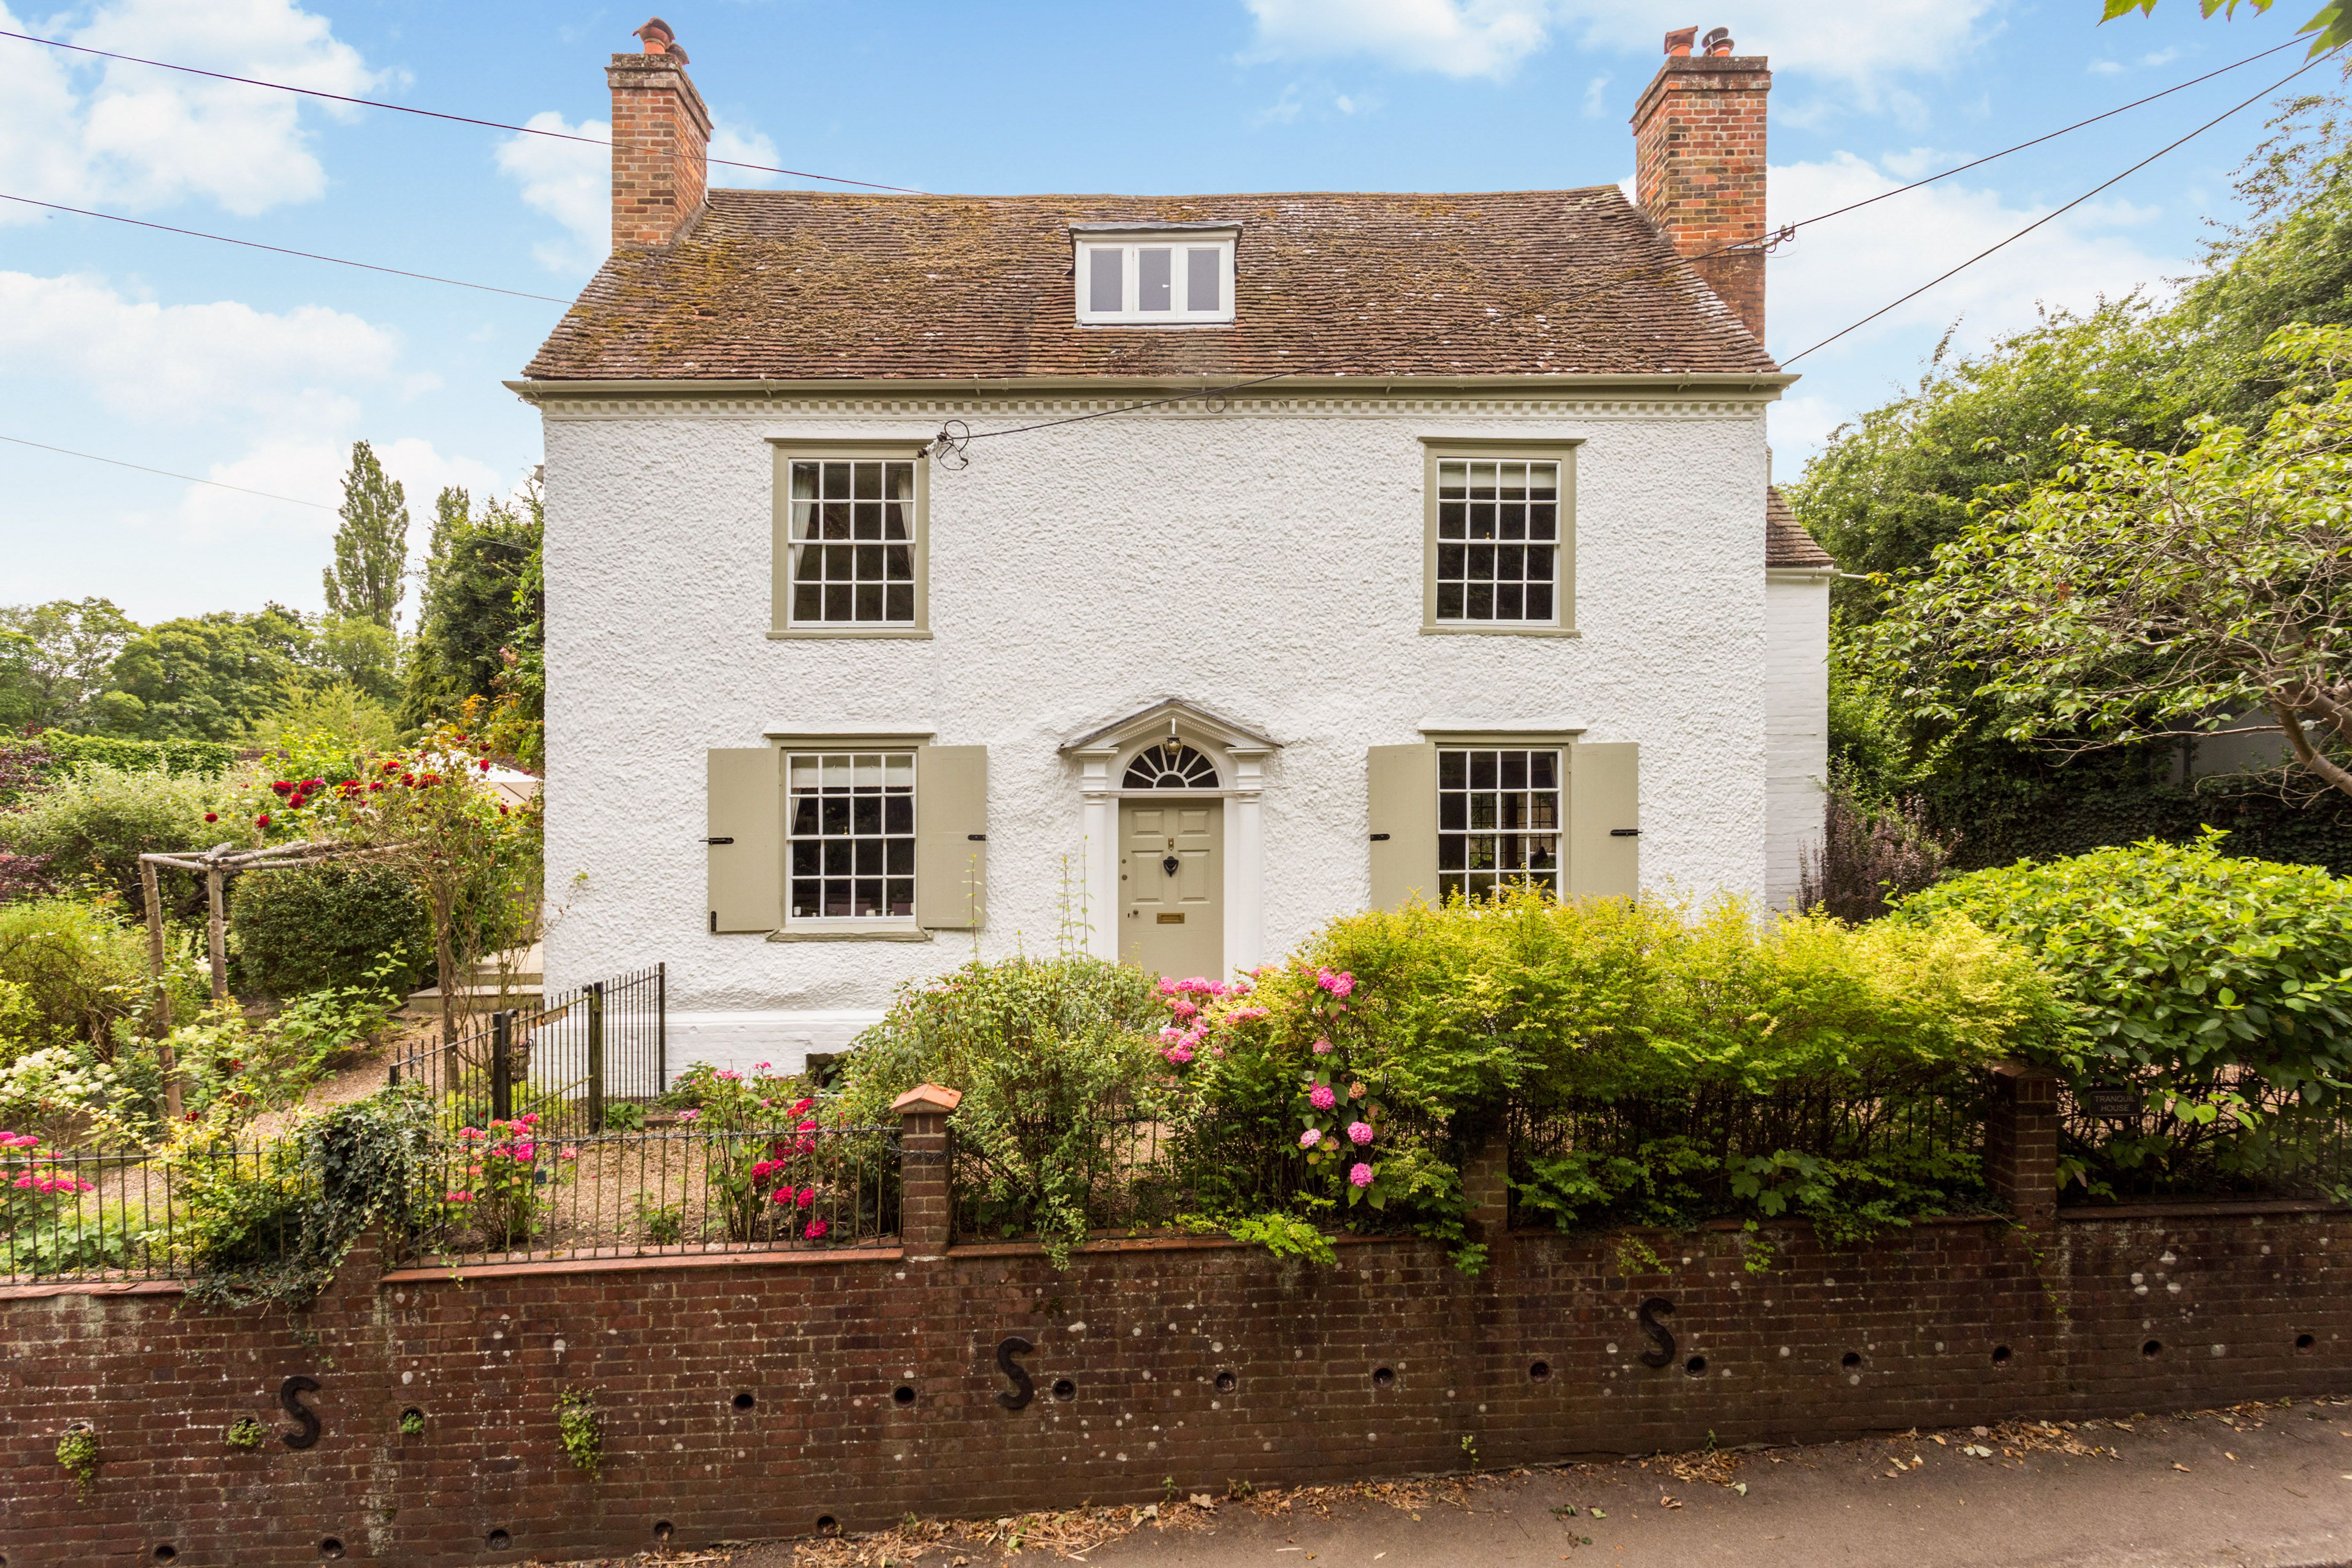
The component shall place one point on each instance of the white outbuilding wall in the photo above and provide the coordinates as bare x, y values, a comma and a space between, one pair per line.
1264, 562
1796, 725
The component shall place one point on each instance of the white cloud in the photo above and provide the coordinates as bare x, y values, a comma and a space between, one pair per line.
1839, 270
1868, 40
1455, 37
1595, 105
82, 132
741, 147
313, 468
572, 182
177, 364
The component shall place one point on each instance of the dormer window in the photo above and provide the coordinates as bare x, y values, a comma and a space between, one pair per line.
1154, 275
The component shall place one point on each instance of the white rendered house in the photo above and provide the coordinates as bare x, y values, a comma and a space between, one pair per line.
1307, 551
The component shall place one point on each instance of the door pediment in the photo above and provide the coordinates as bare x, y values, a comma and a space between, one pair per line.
1192, 719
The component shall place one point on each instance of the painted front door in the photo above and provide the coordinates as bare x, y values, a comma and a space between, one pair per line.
1173, 887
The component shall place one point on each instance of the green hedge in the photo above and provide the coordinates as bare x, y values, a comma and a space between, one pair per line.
326, 925
2216, 990
209, 757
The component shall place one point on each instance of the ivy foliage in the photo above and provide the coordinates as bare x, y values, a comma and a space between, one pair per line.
271, 1225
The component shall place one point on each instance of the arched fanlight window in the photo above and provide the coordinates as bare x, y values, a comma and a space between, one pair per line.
1171, 764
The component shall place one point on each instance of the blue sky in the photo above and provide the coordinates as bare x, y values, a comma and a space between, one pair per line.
261, 369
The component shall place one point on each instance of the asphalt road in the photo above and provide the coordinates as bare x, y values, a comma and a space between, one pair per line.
2259, 1485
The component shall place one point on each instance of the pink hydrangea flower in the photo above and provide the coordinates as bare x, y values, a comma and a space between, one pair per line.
1321, 1097
688, 1115
1178, 1054
1169, 1033
1338, 984
1323, 1048
1355, 1091
806, 1196
1311, 1137
1183, 1009
780, 1196
801, 1105
1360, 1132
1361, 1177
816, 1229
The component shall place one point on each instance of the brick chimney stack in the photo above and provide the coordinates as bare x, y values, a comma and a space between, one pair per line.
1698, 162
661, 142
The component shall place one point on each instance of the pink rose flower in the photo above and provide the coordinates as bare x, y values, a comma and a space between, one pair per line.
1362, 1176
1311, 1137
1321, 1097
1360, 1132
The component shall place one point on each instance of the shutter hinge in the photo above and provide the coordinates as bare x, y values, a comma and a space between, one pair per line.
977, 838
1624, 833
1379, 838
718, 841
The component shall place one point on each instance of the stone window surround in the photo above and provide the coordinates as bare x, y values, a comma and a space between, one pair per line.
785, 450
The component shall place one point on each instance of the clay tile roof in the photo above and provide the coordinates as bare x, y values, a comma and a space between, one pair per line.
1786, 542
804, 284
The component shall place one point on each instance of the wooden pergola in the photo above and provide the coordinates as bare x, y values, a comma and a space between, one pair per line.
215, 865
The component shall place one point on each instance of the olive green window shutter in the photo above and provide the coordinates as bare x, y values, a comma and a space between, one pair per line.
1403, 817
951, 836
1604, 821
744, 796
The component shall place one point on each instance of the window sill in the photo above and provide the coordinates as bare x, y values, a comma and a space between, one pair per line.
1501, 631
794, 634
886, 934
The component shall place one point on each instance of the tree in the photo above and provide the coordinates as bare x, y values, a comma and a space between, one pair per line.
73, 649
371, 544
2136, 593
2333, 23
204, 677
475, 606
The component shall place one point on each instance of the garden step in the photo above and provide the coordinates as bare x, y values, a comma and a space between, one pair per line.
483, 999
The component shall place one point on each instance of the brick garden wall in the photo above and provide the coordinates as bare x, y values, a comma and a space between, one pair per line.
764, 1394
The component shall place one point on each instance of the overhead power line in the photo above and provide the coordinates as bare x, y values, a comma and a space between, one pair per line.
428, 113
281, 251
2054, 213
166, 473
948, 442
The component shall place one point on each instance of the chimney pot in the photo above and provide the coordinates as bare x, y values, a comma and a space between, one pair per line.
1678, 42
1719, 42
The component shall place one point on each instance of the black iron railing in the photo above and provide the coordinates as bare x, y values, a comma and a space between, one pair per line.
565, 1059
2239, 1136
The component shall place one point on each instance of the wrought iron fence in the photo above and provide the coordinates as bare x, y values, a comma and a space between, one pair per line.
1133, 1174
2238, 1137
1684, 1158
567, 1060
485, 1199
512, 1198
84, 1215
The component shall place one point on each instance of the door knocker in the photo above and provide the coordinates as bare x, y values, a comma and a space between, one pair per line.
1171, 865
